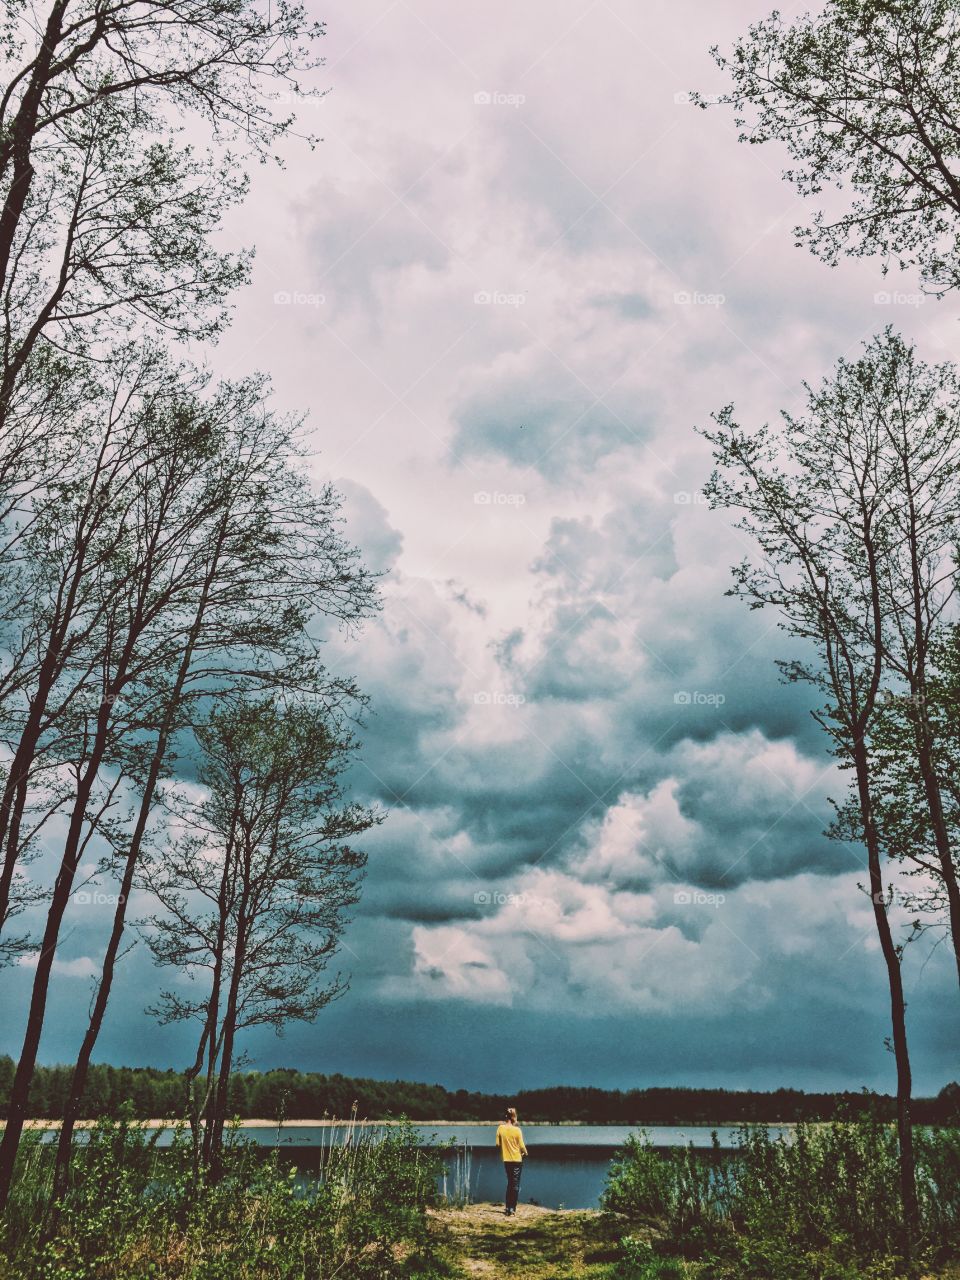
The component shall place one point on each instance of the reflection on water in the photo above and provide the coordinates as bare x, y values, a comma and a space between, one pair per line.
567, 1165
560, 1177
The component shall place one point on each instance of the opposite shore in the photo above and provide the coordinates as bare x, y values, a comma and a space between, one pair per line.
327, 1123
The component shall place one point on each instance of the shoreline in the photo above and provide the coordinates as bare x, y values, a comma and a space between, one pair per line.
327, 1123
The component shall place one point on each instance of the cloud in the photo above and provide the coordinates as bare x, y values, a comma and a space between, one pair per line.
529, 307
368, 526
78, 967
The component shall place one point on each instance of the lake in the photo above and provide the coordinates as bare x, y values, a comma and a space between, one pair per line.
566, 1167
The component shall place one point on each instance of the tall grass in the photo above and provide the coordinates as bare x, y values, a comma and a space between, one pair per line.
135, 1210
457, 1175
819, 1201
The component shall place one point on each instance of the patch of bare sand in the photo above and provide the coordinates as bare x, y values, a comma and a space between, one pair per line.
536, 1244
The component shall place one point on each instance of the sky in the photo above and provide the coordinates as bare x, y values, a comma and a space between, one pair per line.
515, 276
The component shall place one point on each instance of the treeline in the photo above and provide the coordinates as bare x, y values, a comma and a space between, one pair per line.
298, 1095
169, 570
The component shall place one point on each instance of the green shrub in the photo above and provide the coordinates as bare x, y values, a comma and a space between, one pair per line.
819, 1203
135, 1210
639, 1181
639, 1262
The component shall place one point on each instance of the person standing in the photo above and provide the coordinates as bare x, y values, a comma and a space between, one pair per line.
512, 1150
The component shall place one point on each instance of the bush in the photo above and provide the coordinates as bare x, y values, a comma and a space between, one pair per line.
137, 1210
639, 1262
819, 1203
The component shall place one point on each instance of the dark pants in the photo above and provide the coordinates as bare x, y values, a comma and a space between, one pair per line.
513, 1169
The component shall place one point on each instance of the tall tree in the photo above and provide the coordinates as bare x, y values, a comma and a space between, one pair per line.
269, 560
102, 215
256, 892
865, 96
819, 500
173, 463
905, 819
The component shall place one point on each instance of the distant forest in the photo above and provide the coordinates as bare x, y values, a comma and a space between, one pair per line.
296, 1095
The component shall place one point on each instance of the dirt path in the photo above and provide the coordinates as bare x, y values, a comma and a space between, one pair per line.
563, 1244
541, 1244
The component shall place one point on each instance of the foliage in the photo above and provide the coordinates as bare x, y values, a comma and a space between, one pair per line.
153, 1093
864, 95
134, 1209
820, 1201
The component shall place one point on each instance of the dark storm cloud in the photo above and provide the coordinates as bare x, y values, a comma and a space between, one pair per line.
605, 820
547, 420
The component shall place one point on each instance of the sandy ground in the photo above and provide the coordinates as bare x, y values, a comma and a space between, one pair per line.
536, 1244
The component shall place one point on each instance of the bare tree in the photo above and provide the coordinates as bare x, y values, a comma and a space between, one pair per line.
865, 95
103, 215
255, 893
819, 500
269, 561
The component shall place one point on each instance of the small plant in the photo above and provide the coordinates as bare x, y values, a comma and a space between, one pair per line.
135, 1210
818, 1203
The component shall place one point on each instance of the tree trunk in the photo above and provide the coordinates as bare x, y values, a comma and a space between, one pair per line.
79, 1079
21, 136
229, 1031
938, 823
20, 1091
908, 1182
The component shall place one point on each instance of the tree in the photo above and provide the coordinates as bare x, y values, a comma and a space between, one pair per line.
266, 562
75, 533
865, 96
117, 540
254, 894
821, 501
906, 821
102, 216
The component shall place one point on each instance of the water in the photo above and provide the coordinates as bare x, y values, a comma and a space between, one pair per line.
566, 1166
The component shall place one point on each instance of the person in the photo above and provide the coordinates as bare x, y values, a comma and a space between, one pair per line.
512, 1150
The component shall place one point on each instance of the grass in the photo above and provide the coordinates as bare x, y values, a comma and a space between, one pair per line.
138, 1212
478, 1243
538, 1244
820, 1206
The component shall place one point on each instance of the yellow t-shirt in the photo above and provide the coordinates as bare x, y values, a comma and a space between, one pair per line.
510, 1142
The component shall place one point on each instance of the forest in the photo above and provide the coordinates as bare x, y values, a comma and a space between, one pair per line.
152, 1094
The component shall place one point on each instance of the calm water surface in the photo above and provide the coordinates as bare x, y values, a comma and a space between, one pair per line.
566, 1166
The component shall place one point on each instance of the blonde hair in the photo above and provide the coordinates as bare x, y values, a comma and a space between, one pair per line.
511, 1114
